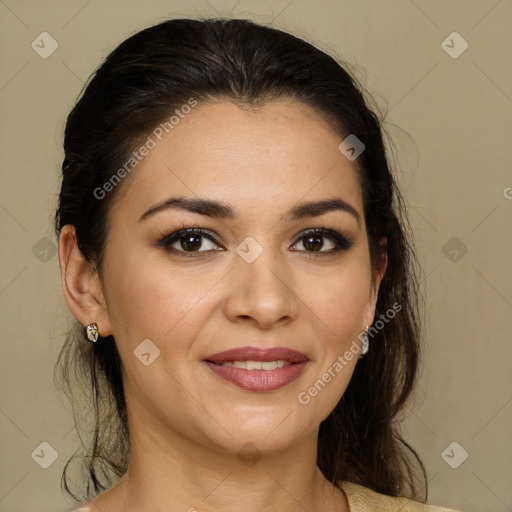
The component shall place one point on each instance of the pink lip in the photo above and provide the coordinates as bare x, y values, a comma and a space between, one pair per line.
258, 354
258, 380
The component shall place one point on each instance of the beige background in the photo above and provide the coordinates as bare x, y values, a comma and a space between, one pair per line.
451, 121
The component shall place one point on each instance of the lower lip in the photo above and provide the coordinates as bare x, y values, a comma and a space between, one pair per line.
258, 380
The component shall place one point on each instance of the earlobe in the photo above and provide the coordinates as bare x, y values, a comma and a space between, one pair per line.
81, 283
377, 276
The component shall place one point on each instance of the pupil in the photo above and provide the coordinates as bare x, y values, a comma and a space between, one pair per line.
191, 242
310, 243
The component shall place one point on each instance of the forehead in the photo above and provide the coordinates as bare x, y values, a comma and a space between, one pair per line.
266, 156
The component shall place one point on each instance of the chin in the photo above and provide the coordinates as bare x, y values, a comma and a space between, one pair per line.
268, 433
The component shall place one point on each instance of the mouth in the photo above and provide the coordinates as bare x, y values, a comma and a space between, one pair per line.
255, 369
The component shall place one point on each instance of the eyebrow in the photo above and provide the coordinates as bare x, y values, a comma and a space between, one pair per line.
220, 210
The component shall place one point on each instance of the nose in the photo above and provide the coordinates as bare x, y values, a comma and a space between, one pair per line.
261, 292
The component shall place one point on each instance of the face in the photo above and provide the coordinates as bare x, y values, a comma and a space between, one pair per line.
253, 261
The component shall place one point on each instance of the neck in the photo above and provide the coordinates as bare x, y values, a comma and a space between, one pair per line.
170, 473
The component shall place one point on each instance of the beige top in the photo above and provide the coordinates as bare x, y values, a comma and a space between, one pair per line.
362, 499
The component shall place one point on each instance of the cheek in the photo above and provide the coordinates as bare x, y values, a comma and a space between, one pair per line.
149, 298
139, 296
341, 300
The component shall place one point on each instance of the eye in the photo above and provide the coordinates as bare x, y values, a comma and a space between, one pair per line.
189, 241
195, 241
313, 240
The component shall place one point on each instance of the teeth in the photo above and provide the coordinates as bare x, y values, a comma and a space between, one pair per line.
258, 365
253, 365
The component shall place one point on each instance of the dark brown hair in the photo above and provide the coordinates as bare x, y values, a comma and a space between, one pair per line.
138, 86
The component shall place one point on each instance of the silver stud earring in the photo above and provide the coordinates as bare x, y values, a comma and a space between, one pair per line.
93, 332
365, 343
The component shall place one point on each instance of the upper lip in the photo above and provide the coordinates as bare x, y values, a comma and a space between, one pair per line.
258, 354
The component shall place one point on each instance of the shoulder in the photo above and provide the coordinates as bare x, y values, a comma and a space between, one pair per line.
362, 499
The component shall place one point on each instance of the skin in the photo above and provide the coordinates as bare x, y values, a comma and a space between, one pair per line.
186, 424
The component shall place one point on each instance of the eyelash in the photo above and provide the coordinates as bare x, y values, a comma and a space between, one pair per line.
341, 242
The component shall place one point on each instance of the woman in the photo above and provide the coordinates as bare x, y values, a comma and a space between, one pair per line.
233, 246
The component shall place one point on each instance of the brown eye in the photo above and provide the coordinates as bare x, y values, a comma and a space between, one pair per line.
314, 241
190, 240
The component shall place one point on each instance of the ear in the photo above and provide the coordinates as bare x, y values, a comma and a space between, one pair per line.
81, 284
377, 275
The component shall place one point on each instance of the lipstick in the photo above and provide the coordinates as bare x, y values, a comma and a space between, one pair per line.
257, 369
